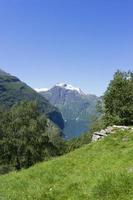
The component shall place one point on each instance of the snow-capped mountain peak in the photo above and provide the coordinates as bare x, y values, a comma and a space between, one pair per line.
63, 86
70, 87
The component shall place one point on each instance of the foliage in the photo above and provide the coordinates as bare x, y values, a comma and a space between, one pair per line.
116, 106
97, 122
118, 100
98, 171
78, 142
23, 137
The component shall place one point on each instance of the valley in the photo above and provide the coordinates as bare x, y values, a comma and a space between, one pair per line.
66, 100
48, 151
77, 108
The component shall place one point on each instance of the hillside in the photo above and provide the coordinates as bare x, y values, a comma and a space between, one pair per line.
99, 171
12, 90
77, 108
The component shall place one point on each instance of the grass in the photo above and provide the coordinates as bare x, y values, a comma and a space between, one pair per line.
98, 171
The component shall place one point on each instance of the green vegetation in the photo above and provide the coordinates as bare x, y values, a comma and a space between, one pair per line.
97, 171
23, 137
78, 142
12, 91
118, 99
116, 106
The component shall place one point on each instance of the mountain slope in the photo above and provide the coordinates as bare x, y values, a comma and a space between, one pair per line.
76, 107
12, 90
98, 171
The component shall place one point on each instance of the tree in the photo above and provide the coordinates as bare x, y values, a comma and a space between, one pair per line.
23, 138
118, 100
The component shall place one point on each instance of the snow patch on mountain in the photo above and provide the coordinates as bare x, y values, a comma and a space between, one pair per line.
41, 89
63, 86
70, 87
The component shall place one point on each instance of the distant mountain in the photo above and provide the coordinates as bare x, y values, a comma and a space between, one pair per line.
77, 108
3, 73
12, 90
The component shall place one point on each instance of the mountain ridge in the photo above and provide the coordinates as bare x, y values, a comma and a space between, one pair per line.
62, 85
77, 108
13, 90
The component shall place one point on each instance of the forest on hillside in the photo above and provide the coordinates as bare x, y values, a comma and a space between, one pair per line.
25, 138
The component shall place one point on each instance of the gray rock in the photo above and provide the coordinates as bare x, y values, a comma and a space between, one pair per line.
103, 132
95, 137
109, 130
121, 127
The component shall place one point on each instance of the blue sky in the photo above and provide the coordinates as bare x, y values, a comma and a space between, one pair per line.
81, 42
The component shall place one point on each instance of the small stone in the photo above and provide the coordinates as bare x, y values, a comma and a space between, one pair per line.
102, 132
95, 137
125, 139
121, 127
109, 129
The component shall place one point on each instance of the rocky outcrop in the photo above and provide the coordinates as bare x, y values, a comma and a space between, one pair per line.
109, 130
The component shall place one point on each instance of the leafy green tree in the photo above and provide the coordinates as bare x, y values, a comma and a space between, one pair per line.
23, 138
118, 100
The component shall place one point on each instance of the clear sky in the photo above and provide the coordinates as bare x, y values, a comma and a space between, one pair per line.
81, 42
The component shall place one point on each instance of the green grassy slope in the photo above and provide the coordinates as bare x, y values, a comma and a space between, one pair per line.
99, 171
